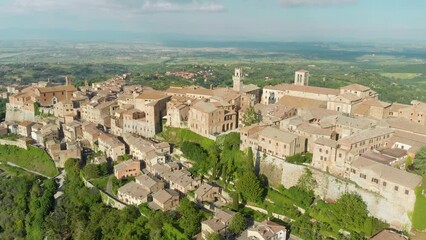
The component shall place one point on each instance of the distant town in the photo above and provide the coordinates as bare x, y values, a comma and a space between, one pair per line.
307, 148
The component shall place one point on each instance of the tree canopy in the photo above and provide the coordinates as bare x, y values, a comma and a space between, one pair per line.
250, 117
420, 161
250, 187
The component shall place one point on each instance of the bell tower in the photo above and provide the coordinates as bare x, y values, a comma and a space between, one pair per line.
68, 80
301, 78
238, 80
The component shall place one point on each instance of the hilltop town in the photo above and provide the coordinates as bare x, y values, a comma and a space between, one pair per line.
325, 143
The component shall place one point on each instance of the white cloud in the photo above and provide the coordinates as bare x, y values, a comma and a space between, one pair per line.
296, 3
125, 7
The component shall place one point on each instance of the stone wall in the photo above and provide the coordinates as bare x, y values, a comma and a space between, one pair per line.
19, 143
391, 210
106, 198
16, 114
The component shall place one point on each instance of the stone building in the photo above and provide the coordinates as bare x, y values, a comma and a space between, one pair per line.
359, 90
337, 157
372, 108
165, 200
217, 224
21, 107
271, 141
49, 96
133, 193
207, 118
415, 113
152, 105
178, 112
24, 128
127, 168
111, 146
99, 113
273, 94
344, 102
267, 230
301, 77
390, 182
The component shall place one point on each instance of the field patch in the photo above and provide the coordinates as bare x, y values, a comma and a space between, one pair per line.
402, 76
418, 217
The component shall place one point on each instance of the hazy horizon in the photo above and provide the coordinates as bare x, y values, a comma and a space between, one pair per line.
391, 21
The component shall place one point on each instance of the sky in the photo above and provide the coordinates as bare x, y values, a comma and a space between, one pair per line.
226, 20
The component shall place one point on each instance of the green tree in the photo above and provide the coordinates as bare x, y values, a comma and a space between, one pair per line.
350, 217
238, 224
307, 181
91, 171
213, 236
199, 155
190, 220
300, 158
420, 161
250, 117
250, 187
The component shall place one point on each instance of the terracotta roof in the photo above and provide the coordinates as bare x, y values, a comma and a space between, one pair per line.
388, 173
124, 165
299, 88
134, 190
365, 135
152, 94
326, 142
203, 189
165, 195
318, 113
147, 181
394, 152
376, 103
311, 129
350, 96
195, 90
267, 229
278, 134
378, 157
206, 107
406, 125
220, 219
341, 120
301, 102
26, 123
356, 87
226, 94
68, 88
110, 140
250, 87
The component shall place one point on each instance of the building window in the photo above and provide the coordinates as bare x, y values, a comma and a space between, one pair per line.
396, 188
320, 150
353, 170
384, 184
375, 180
406, 192
363, 176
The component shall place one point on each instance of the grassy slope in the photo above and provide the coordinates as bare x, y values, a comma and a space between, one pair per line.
178, 135
419, 214
34, 159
